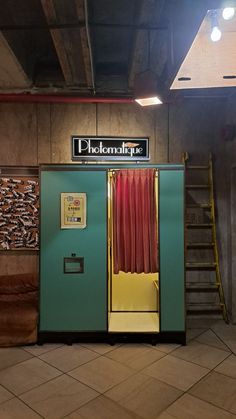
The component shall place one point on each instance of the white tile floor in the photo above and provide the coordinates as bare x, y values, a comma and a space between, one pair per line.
128, 381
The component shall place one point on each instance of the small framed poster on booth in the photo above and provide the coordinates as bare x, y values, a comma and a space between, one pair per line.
73, 210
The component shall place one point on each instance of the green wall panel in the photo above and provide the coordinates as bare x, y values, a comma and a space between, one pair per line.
172, 277
73, 302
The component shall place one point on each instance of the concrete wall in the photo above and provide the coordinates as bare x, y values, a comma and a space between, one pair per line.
226, 192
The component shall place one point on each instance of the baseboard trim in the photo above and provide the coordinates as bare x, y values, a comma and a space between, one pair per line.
111, 337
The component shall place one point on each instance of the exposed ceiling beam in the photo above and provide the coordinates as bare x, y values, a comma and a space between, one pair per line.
57, 37
81, 24
11, 72
85, 45
148, 11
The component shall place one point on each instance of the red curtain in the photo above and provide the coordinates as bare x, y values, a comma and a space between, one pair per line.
135, 221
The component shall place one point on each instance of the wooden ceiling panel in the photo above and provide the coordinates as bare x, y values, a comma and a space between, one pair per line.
12, 75
148, 13
70, 44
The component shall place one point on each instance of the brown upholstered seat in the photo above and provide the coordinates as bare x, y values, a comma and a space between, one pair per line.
18, 309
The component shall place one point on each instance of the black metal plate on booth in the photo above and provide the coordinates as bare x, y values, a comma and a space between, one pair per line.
74, 265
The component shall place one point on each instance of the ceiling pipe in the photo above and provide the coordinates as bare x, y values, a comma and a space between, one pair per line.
89, 45
28, 98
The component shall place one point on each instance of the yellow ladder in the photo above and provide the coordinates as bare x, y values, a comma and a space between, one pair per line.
200, 219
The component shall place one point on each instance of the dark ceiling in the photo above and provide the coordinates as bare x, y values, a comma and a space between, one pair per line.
93, 47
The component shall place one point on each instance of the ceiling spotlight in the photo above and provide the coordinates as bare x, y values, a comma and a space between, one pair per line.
145, 89
146, 92
215, 34
228, 13
147, 101
215, 30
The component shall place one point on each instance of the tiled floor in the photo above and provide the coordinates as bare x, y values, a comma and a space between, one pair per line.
128, 381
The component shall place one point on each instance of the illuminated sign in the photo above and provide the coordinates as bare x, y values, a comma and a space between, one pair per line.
110, 148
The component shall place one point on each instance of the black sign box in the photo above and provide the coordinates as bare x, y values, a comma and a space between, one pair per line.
110, 148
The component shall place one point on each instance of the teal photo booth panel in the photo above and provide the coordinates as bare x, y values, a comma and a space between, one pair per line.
171, 234
73, 302
78, 302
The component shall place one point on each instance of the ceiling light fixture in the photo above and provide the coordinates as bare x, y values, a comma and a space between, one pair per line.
145, 89
228, 13
149, 101
145, 85
215, 32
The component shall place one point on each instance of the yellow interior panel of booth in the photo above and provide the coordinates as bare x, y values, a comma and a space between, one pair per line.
134, 322
134, 292
133, 299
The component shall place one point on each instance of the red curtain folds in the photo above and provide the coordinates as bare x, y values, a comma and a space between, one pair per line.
135, 221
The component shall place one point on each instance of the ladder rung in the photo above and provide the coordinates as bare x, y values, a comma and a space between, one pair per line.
198, 205
200, 266
207, 304
202, 287
207, 310
208, 225
197, 186
200, 245
192, 167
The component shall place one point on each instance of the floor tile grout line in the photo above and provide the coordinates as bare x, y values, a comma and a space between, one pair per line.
195, 363
186, 392
192, 395
30, 407
212, 404
49, 350
84, 404
197, 336
126, 379
222, 341
50, 365
22, 401
218, 372
70, 376
146, 375
179, 397
65, 372
9, 391
167, 353
119, 362
114, 348
164, 382
213, 346
17, 363
205, 344
69, 413
124, 364
198, 381
183, 392
35, 357
140, 370
200, 365
176, 388
202, 333
40, 385
102, 393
